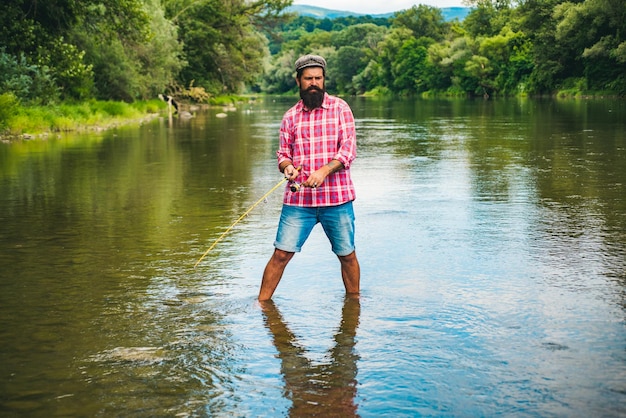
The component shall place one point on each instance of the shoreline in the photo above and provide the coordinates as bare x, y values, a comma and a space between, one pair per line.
106, 121
187, 110
114, 123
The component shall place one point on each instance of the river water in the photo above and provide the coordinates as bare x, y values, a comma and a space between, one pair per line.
492, 242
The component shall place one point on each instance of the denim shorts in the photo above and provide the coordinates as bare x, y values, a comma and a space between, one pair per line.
296, 224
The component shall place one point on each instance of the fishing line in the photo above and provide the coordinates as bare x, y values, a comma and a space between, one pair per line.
240, 218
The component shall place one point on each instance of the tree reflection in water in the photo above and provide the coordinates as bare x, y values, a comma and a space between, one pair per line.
326, 389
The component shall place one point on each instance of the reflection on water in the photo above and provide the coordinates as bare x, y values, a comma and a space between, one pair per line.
492, 242
327, 388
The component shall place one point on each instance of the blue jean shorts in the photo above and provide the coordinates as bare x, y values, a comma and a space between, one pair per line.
296, 224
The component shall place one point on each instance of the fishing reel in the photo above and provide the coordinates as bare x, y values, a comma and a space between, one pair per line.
294, 187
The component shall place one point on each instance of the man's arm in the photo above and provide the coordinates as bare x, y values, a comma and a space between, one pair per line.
318, 176
332, 167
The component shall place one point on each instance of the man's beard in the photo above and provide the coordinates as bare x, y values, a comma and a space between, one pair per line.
313, 97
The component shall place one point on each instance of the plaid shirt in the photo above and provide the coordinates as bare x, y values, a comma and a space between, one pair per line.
311, 139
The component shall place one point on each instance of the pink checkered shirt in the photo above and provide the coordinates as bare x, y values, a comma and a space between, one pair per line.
311, 139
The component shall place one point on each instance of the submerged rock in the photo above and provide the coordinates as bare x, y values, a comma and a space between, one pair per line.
133, 354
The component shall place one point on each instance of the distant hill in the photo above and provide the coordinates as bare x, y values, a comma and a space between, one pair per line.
449, 13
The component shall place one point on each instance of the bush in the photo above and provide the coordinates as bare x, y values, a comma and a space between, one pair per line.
193, 94
149, 106
28, 82
8, 108
63, 123
72, 75
16, 119
30, 119
112, 108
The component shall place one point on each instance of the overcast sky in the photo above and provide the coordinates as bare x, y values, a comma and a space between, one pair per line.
378, 6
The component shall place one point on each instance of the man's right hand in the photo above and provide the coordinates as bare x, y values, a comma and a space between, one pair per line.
290, 172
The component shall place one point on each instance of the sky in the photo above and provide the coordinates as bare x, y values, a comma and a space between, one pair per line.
377, 6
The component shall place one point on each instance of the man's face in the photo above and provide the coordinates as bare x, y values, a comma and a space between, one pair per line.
311, 84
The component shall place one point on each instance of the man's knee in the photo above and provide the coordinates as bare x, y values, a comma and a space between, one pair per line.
281, 256
350, 258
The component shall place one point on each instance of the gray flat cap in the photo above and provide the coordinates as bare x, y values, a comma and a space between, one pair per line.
310, 60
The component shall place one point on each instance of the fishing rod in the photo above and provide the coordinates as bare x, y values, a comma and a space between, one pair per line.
240, 218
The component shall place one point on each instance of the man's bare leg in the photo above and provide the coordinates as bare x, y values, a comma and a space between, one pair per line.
351, 273
273, 273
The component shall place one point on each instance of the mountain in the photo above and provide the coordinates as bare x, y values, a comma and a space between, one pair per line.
449, 13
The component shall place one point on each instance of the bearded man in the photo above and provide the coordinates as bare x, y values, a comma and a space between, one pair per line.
316, 148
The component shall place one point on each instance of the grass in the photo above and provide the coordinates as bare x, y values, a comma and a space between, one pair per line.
226, 100
17, 120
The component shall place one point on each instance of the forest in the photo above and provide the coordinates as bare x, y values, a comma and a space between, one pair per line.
59, 51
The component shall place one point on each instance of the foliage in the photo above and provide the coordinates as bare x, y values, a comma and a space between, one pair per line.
598, 47
423, 21
27, 82
74, 78
16, 119
295, 26
8, 107
192, 94
503, 47
222, 46
130, 64
128, 50
118, 49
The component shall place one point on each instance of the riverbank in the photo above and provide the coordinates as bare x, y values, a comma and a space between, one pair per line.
29, 122
19, 122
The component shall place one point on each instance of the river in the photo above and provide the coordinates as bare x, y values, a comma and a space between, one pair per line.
492, 242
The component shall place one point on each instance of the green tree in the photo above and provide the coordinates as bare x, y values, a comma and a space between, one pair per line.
309, 42
73, 76
551, 62
279, 74
129, 62
350, 62
161, 57
410, 68
503, 63
389, 49
361, 35
487, 17
370, 79
21, 29
29, 83
480, 20
449, 60
68, 37
35, 32
513, 73
423, 21
223, 48
593, 33
479, 75
356, 45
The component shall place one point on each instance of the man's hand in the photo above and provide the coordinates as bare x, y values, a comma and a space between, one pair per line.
290, 172
318, 176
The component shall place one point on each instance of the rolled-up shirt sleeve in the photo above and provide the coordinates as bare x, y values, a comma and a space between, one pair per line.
285, 149
347, 138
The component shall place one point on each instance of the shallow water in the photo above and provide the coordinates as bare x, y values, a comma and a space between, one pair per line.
492, 242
